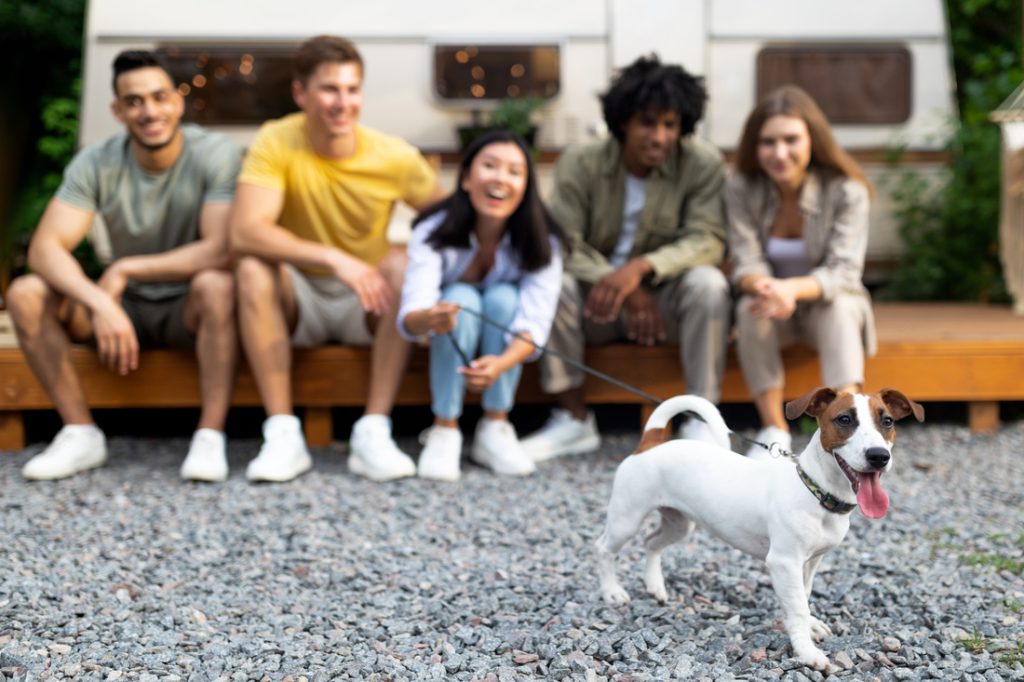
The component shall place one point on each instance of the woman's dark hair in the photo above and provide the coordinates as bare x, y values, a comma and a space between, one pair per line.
529, 227
647, 84
826, 154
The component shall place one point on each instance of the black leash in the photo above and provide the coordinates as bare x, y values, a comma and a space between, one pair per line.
774, 449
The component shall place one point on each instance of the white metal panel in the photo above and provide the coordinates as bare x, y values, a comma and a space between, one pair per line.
825, 19
675, 30
298, 19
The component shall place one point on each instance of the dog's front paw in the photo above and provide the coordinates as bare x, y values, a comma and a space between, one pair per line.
813, 657
819, 630
615, 595
656, 588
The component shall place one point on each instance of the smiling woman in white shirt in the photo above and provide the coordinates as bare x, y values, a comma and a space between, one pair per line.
493, 248
797, 212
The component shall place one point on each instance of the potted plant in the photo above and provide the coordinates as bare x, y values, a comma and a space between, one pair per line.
512, 113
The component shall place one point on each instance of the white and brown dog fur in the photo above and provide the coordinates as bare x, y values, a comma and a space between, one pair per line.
759, 506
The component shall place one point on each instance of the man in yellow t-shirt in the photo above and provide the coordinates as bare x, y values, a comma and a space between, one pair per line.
309, 223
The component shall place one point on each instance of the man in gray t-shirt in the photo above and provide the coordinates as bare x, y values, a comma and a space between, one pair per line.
164, 191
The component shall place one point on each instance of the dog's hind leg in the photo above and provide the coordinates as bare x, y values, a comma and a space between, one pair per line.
674, 527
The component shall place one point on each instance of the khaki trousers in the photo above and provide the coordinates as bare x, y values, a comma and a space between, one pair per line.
695, 308
836, 329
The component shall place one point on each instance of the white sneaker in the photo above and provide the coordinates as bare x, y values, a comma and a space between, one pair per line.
76, 447
441, 455
775, 438
563, 435
374, 454
283, 455
496, 447
207, 458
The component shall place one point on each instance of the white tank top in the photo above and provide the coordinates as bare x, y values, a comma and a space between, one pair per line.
788, 257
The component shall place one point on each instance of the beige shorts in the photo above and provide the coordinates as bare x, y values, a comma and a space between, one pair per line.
329, 312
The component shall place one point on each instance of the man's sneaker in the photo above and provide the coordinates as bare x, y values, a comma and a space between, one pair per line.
496, 447
563, 435
780, 442
207, 457
441, 455
374, 454
75, 448
283, 455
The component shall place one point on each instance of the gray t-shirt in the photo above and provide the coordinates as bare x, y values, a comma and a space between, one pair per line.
152, 212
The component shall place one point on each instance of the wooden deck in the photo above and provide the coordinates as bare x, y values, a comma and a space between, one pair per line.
932, 352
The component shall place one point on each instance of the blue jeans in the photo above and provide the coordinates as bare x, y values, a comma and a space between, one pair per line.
447, 386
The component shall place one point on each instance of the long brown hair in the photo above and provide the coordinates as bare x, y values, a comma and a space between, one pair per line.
826, 154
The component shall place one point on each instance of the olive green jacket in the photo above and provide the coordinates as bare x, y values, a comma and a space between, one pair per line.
682, 223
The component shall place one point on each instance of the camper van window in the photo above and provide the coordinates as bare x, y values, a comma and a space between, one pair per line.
853, 84
232, 85
477, 73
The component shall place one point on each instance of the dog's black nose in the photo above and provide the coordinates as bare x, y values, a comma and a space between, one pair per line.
877, 457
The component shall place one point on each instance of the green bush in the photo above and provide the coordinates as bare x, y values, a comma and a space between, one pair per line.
951, 235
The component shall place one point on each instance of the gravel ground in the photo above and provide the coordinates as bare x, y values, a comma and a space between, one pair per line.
127, 573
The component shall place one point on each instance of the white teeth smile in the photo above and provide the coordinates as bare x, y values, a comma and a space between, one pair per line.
496, 194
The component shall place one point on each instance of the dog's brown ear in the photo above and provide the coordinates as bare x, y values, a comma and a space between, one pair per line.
812, 403
900, 405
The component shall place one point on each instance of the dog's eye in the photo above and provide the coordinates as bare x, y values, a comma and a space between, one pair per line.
844, 420
887, 421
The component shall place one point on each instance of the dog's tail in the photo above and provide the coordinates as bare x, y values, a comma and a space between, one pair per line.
658, 425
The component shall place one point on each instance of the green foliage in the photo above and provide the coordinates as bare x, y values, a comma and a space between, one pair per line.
951, 233
38, 106
516, 114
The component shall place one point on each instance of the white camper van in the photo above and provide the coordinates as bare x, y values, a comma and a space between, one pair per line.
880, 69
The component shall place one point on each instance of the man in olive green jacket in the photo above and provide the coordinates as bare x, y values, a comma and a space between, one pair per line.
644, 213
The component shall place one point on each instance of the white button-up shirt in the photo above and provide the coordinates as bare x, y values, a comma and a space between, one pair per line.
431, 270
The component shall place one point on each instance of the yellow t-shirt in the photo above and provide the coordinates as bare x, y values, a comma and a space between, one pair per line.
345, 203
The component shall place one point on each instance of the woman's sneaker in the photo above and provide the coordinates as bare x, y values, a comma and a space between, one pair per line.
76, 447
496, 447
373, 453
442, 452
207, 457
563, 435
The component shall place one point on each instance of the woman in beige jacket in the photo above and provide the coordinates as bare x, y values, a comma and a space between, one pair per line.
797, 212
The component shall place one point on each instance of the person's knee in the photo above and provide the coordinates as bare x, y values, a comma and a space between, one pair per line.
501, 301
215, 294
254, 280
392, 267
707, 286
463, 294
26, 301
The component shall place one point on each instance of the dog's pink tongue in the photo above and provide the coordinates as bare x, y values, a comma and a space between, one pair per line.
873, 501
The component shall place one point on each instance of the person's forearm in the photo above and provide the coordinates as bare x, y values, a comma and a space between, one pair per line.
276, 244
804, 288
175, 265
748, 283
516, 354
55, 264
417, 322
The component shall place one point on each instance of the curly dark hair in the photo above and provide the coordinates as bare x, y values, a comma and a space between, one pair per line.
529, 227
647, 84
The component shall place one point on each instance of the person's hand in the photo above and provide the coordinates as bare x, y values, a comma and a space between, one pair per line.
606, 297
113, 281
774, 299
116, 341
482, 373
366, 281
643, 321
441, 317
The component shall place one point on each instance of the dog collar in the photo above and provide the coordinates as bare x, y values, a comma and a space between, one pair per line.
827, 500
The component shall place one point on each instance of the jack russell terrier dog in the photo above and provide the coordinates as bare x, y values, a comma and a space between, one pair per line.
787, 515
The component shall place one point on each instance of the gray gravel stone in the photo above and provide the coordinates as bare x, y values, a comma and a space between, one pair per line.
127, 573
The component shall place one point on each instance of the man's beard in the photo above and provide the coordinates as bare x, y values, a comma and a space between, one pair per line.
155, 147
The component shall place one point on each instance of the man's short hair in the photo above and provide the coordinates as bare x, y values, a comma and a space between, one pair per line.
129, 60
323, 49
647, 84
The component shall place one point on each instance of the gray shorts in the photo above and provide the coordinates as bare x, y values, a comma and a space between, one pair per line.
329, 311
159, 323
